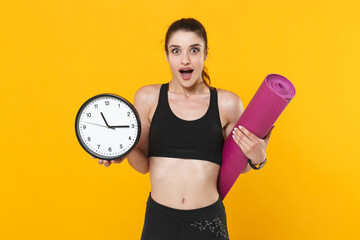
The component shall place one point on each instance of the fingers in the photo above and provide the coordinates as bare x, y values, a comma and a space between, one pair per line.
242, 138
252, 146
241, 144
107, 163
248, 134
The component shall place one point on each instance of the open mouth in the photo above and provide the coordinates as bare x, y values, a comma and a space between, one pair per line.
186, 71
186, 74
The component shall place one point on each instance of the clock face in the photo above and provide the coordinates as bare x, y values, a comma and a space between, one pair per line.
107, 126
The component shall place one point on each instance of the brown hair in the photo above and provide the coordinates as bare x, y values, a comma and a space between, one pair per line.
191, 25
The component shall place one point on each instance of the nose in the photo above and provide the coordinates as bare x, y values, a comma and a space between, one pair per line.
185, 59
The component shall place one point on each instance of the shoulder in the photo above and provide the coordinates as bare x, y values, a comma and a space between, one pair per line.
147, 94
228, 99
146, 98
230, 104
148, 90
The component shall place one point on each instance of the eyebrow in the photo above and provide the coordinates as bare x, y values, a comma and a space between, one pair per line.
193, 45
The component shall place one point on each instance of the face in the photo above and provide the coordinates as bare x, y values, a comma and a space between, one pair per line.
186, 57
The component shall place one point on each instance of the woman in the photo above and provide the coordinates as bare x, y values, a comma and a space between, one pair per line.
184, 124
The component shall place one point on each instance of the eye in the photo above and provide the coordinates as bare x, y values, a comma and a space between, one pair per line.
175, 50
195, 50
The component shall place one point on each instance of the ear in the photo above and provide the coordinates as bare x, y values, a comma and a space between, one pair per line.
206, 53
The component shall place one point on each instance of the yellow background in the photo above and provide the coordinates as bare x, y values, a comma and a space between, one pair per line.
54, 55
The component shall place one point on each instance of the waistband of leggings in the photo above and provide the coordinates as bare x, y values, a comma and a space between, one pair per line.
215, 209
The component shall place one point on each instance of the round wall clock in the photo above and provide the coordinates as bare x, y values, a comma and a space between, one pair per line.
107, 126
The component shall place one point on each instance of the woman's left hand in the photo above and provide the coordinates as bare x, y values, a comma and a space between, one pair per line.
253, 147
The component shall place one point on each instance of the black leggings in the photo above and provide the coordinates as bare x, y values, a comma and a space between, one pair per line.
165, 223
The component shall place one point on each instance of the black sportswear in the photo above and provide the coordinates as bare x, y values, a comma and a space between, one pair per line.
165, 223
171, 136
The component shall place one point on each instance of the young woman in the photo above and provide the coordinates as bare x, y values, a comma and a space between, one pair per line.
184, 125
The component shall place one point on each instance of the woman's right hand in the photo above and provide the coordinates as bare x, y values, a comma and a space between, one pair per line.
107, 163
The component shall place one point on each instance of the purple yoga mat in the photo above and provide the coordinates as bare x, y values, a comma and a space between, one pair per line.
273, 95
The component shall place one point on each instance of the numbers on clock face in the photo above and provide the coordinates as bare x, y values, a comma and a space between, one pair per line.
108, 126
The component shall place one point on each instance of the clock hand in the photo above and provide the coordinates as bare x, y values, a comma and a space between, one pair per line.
121, 126
99, 125
105, 120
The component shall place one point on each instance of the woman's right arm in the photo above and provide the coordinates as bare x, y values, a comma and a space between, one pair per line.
138, 157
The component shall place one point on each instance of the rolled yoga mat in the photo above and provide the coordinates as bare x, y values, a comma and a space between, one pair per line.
273, 95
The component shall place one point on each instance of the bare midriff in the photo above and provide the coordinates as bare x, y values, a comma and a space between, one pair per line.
183, 183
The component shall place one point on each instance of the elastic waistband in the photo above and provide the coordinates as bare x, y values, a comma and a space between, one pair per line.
214, 209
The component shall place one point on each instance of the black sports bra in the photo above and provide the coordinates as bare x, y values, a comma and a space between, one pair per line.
173, 137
